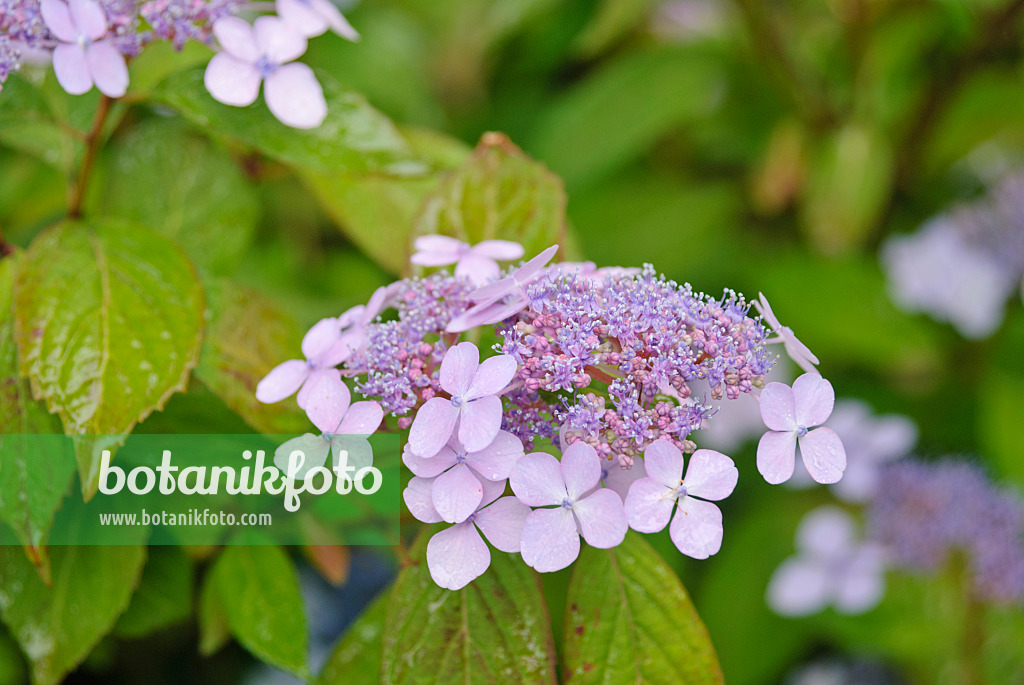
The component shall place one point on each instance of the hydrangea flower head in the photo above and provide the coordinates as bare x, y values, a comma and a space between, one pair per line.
323, 348
85, 54
790, 414
696, 528
477, 263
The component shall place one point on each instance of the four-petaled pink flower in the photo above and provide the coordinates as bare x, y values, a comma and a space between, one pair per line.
460, 473
551, 535
474, 404
797, 351
501, 299
696, 528
260, 54
330, 408
478, 263
352, 324
790, 413
313, 17
81, 59
323, 348
457, 555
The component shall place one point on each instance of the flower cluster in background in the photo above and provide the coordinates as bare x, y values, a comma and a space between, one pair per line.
90, 41
586, 408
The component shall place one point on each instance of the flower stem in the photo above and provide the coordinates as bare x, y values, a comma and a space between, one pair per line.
972, 637
92, 144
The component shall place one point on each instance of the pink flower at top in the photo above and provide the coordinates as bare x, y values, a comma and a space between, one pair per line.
458, 554
790, 413
261, 54
697, 526
81, 58
796, 350
501, 299
460, 473
352, 324
551, 534
314, 17
474, 404
478, 263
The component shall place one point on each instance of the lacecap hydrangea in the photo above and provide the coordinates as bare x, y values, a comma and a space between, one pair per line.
581, 421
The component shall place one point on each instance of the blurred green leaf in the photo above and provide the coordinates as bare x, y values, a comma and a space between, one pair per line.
164, 595
177, 183
630, 620
247, 335
1001, 414
13, 670
28, 124
259, 591
613, 19
108, 320
494, 629
214, 631
357, 655
33, 195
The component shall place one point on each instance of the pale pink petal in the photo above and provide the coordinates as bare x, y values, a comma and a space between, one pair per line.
862, 586
282, 381
696, 529
314, 377
88, 18
776, 456
492, 376
581, 469
379, 301
236, 38
502, 250
664, 463
458, 368
351, 315
710, 475
437, 250
321, 337
294, 96
57, 16
778, 407
493, 489
502, 523
108, 69
536, 480
766, 311
618, 479
327, 402
342, 349
494, 291
823, 455
309, 452
456, 556
429, 467
278, 40
649, 505
527, 272
602, 519
301, 15
814, 399
457, 493
362, 418
338, 23
480, 422
432, 426
71, 69
418, 499
797, 351
232, 81
799, 588
550, 540
827, 533
477, 269
495, 461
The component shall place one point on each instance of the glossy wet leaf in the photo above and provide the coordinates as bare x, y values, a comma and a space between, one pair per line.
357, 655
108, 319
630, 620
164, 595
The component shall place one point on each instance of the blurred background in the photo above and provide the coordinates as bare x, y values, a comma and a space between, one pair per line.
854, 160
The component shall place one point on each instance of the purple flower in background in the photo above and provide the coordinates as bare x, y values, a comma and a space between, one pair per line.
870, 442
790, 413
474, 404
477, 263
551, 535
182, 20
82, 58
499, 300
459, 473
261, 54
696, 528
831, 568
796, 350
313, 17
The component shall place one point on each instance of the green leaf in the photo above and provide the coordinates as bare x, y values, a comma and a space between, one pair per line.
354, 137
164, 596
108, 319
31, 488
28, 124
613, 19
498, 192
1001, 412
496, 629
186, 189
58, 626
248, 334
630, 620
357, 655
258, 589
214, 631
